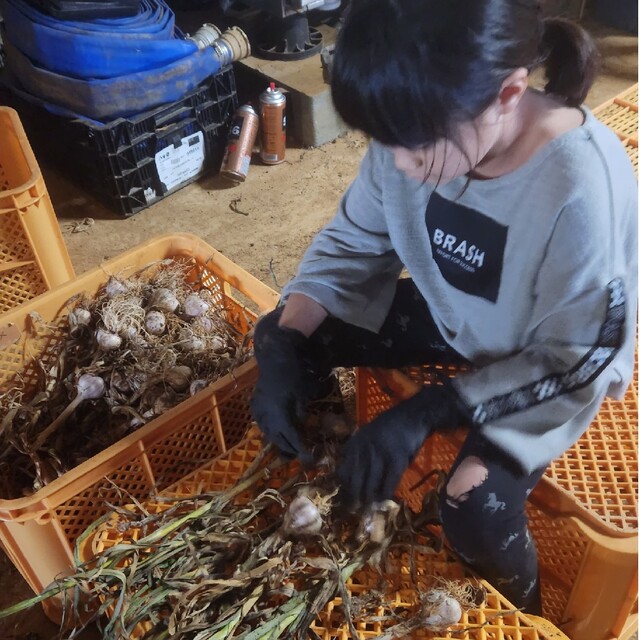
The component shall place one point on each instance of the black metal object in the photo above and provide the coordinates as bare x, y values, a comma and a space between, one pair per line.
283, 29
290, 38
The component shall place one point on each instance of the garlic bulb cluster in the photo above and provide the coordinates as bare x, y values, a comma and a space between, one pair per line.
114, 287
188, 341
163, 299
203, 323
79, 317
90, 387
108, 341
195, 306
378, 520
197, 386
302, 517
155, 322
441, 610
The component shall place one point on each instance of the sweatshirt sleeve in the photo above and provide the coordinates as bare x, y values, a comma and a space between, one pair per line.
580, 341
351, 268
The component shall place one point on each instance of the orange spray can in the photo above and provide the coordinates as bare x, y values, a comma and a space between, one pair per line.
242, 135
274, 125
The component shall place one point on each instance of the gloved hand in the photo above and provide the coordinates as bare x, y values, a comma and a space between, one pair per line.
375, 457
288, 380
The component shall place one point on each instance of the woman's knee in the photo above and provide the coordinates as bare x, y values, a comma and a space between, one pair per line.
461, 504
477, 520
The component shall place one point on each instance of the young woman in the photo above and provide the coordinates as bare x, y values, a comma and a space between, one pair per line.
514, 211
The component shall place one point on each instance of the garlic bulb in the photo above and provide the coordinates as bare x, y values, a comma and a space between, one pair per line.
377, 521
79, 317
442, 610
129, 333
190, 342
163, 299
203, 323
155, 322
114, 287
302, 517
195, 306
90, 387
178, 378
107, 340
217, 343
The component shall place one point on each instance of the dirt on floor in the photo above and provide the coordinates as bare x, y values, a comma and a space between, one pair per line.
264, 225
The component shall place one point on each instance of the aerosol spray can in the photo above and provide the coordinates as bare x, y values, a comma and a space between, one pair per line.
242, 137
274, 125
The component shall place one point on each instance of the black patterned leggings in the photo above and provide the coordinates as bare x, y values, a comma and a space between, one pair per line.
482, 502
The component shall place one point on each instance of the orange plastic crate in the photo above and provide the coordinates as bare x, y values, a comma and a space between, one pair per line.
38, 532
587, 542
495, 619
33, 256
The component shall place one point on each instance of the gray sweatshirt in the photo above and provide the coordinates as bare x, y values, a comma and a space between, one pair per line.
531, 276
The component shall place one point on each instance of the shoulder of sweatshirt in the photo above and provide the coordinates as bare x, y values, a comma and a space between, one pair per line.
594, 164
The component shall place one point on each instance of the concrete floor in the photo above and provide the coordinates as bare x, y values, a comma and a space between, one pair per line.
282, 208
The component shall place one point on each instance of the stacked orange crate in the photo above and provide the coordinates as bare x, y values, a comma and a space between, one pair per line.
495, 619
38, 531
33, 256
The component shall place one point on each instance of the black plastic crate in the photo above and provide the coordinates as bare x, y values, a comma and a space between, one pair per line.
122, 162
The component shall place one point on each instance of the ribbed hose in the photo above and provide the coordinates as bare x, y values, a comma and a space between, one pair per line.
99, 49
104, 69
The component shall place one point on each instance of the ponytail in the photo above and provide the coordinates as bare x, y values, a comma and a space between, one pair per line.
571, 60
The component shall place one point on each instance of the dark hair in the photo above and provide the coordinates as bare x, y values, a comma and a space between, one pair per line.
405, 71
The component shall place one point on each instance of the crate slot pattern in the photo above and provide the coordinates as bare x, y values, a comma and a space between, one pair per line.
22, 284
14, 244
33, 256
78, 513
4, 179
600, 472
562, 547
494, 620
182, 453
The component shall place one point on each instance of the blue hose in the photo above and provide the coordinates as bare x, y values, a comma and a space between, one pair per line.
97, 49
106, 99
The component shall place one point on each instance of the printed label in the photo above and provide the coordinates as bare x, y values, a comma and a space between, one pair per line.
177, 164
467, 246
244, 167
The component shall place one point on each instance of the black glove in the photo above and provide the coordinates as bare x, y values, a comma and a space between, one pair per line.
376, 456
288, 380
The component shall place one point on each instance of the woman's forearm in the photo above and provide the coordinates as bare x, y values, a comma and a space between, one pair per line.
302, 313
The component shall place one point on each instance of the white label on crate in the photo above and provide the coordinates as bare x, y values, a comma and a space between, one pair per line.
177, 164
